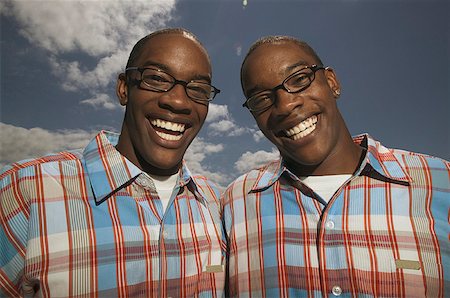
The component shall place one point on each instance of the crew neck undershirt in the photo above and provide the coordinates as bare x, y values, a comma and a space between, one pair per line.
164, 187
325, 186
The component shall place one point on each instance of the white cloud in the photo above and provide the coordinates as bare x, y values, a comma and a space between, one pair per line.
101, 101
216, 112
251, 160
103, 30
222, 124
94, 27
228, 128
258, 135
196, 154
20, 143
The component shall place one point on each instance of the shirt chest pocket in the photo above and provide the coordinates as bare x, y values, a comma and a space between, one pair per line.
406, 261
200, 247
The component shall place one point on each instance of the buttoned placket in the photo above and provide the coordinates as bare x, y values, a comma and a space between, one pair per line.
161, 233
325, 225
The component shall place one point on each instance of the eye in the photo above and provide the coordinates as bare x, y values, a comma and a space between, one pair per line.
260, 101
199, 90
299, 79
154, 78
262, 97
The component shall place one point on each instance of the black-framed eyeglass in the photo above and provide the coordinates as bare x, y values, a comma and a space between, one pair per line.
294, 83
154, 79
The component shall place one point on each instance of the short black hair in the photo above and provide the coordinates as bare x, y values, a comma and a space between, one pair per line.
278, 39
136, 51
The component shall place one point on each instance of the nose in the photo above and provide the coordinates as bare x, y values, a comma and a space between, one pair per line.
176, 100
286, 102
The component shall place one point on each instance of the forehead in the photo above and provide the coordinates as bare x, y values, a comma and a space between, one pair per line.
279, 57
174, 52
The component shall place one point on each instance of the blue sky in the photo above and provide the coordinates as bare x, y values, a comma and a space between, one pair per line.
59, 63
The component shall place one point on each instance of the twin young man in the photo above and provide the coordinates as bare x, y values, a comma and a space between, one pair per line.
334, 216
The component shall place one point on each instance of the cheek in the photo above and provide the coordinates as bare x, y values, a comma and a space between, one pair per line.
202, 112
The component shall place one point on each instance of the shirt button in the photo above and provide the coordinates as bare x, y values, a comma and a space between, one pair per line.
143, 182
330, 225
165, 234
337, 291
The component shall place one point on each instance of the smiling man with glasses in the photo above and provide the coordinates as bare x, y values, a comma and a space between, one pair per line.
124, 217
335, 215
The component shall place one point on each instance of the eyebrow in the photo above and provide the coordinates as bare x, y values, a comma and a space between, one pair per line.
295, 65
196, 77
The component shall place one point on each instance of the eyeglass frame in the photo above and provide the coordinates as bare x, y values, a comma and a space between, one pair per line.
185, 84
271, 91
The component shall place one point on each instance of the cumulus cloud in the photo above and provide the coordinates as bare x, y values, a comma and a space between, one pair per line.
251, 160
222, 124
258, 135
20, 143
196, 154
226, 128
94, 27
102, 30
217, 112
100, 101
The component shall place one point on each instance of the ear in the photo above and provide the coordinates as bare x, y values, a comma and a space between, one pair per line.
333, 82
122, 89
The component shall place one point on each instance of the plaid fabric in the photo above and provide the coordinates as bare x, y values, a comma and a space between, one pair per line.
384, 233
91, 224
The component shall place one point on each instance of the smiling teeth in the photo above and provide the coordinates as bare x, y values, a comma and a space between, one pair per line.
168, 137
172, 126
302, 129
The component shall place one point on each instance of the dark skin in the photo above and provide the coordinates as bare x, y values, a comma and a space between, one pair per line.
140, 140
328, 149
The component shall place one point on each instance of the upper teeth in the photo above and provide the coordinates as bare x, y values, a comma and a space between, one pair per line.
169, 125
307, 125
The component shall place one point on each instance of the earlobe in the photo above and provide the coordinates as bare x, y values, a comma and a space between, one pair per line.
333, 82
122, 89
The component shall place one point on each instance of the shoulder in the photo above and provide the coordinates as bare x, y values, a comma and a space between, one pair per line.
30, 167
424, 169
425, 161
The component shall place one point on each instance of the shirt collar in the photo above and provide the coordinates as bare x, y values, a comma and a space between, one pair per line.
109, 171
378, 158
186, 179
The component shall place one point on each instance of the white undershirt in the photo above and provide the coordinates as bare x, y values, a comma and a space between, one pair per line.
164, 187
325, 186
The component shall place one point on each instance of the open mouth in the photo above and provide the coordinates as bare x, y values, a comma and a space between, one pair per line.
302, 129
169, 131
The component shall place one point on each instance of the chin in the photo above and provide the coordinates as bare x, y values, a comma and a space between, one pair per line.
165, 162
303, 159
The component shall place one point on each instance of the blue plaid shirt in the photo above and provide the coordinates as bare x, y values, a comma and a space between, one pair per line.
384, 233
91, 223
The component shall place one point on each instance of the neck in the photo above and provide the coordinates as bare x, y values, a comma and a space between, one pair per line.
344, 159
126, 148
